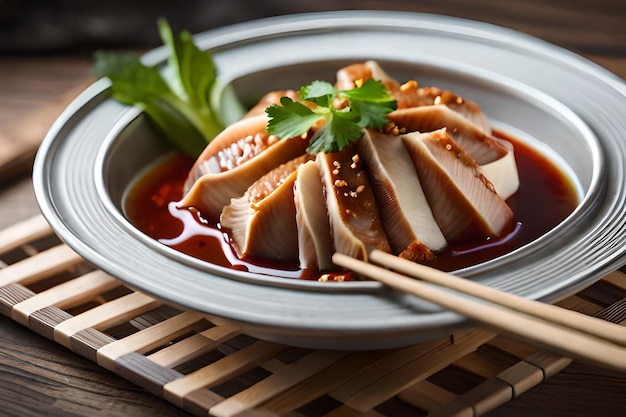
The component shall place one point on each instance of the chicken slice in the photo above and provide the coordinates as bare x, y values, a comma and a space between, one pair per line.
263, 221
354, 218
273, 97
347, 77
409, 94
315, 245
406, 216
503, 172
495, 155
462, 199
236, 158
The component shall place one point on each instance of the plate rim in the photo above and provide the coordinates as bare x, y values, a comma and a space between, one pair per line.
99, 87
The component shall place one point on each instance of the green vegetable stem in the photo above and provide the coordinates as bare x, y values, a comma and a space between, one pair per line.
180, 106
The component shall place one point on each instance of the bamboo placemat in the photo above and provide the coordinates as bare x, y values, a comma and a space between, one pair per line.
211, 369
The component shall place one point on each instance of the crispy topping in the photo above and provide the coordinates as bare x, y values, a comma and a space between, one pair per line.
337, 166
409, 85
356, 159
332, 277
392, 128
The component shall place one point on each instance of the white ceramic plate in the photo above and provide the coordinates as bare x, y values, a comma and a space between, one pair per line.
561, 103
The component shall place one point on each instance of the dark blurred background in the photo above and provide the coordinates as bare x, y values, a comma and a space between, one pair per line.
40, 26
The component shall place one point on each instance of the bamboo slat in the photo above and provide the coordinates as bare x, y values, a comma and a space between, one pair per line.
212, 369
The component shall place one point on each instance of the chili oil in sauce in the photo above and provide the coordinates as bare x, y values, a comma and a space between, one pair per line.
546, 196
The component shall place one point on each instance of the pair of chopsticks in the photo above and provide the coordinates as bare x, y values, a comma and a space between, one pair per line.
569, 333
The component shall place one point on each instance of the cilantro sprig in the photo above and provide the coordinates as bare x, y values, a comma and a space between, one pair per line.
180, 105
367, 106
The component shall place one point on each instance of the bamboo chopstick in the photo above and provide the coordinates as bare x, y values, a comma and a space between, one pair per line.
515, 316
600, 328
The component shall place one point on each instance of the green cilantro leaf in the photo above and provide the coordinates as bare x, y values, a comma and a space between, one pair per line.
291, 119
318, 92
372, 101
338, 132
367, 107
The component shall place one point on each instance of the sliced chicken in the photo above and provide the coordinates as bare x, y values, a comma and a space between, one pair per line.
270, 98
315, 245
348, 77
263, 221
435, 176
482, 147
236, 158
495, 154
354, 217
463, 201
406, 216
503, 172
409, 94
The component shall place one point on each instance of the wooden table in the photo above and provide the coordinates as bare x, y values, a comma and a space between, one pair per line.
39, 377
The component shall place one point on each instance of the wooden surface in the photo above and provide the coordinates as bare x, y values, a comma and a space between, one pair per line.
204, 367
40, 377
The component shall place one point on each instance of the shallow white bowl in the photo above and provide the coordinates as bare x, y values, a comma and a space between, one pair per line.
559, 102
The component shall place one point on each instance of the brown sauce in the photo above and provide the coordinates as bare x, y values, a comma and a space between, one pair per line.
546, 196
